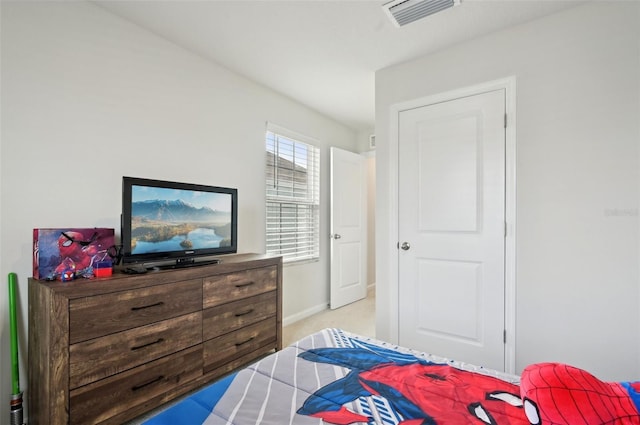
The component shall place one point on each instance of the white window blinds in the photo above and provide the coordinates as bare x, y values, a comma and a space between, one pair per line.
292, 196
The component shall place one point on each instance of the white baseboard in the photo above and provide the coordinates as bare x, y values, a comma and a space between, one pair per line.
304, 314
289, 320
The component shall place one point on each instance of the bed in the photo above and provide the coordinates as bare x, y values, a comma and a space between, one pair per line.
336, 377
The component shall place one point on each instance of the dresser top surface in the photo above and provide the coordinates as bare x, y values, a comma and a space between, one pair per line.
120, 281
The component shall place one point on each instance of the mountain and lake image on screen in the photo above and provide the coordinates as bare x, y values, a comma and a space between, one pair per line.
167, 219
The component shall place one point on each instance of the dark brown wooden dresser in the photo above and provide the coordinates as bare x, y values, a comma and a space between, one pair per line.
104, 351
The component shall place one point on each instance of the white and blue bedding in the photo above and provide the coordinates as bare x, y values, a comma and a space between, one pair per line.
337, 377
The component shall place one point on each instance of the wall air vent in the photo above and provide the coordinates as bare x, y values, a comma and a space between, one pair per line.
403, 12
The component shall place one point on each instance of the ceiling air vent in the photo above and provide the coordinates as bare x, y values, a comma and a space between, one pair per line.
403, 12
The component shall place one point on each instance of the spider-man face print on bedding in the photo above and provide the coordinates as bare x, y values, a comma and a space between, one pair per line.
420, 392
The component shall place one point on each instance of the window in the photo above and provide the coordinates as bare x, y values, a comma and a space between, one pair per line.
292, 196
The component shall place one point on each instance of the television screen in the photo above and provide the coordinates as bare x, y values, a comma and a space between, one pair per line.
177, 221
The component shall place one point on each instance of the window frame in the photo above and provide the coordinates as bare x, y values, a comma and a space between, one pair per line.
284, 196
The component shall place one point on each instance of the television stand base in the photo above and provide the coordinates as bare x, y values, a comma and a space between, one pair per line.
181, 263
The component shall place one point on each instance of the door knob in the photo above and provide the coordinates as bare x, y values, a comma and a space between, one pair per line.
336, 236
405, 246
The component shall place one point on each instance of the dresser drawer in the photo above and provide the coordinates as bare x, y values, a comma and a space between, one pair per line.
109, 397
99, 358
223, 288
225, 318
100, 315
225, 348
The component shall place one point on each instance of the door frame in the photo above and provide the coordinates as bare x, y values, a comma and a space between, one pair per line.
509, 85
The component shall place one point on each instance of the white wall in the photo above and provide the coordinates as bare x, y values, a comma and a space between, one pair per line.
88, 97
370, 155
578, 160
371, 218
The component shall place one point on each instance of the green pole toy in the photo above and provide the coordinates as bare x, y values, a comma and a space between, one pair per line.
16, 394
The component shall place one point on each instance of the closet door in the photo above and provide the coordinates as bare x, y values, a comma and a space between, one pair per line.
452, 228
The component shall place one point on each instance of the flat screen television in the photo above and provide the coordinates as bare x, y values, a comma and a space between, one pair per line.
171, 224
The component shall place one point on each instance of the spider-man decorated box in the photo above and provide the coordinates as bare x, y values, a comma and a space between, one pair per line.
68, 253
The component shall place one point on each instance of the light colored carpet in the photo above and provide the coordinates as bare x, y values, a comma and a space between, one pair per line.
358, 317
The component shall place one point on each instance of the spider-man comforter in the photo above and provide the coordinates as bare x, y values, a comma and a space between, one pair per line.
339, 378
335, 377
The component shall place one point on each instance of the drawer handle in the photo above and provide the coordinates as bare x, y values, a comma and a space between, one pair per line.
238, 344
146, 384
158, 304
138, 347
242, 285
244, 313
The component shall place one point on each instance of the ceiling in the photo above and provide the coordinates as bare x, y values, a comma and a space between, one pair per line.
321, 53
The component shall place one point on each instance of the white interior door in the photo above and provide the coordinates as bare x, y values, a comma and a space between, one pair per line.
348, 227
452, 229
